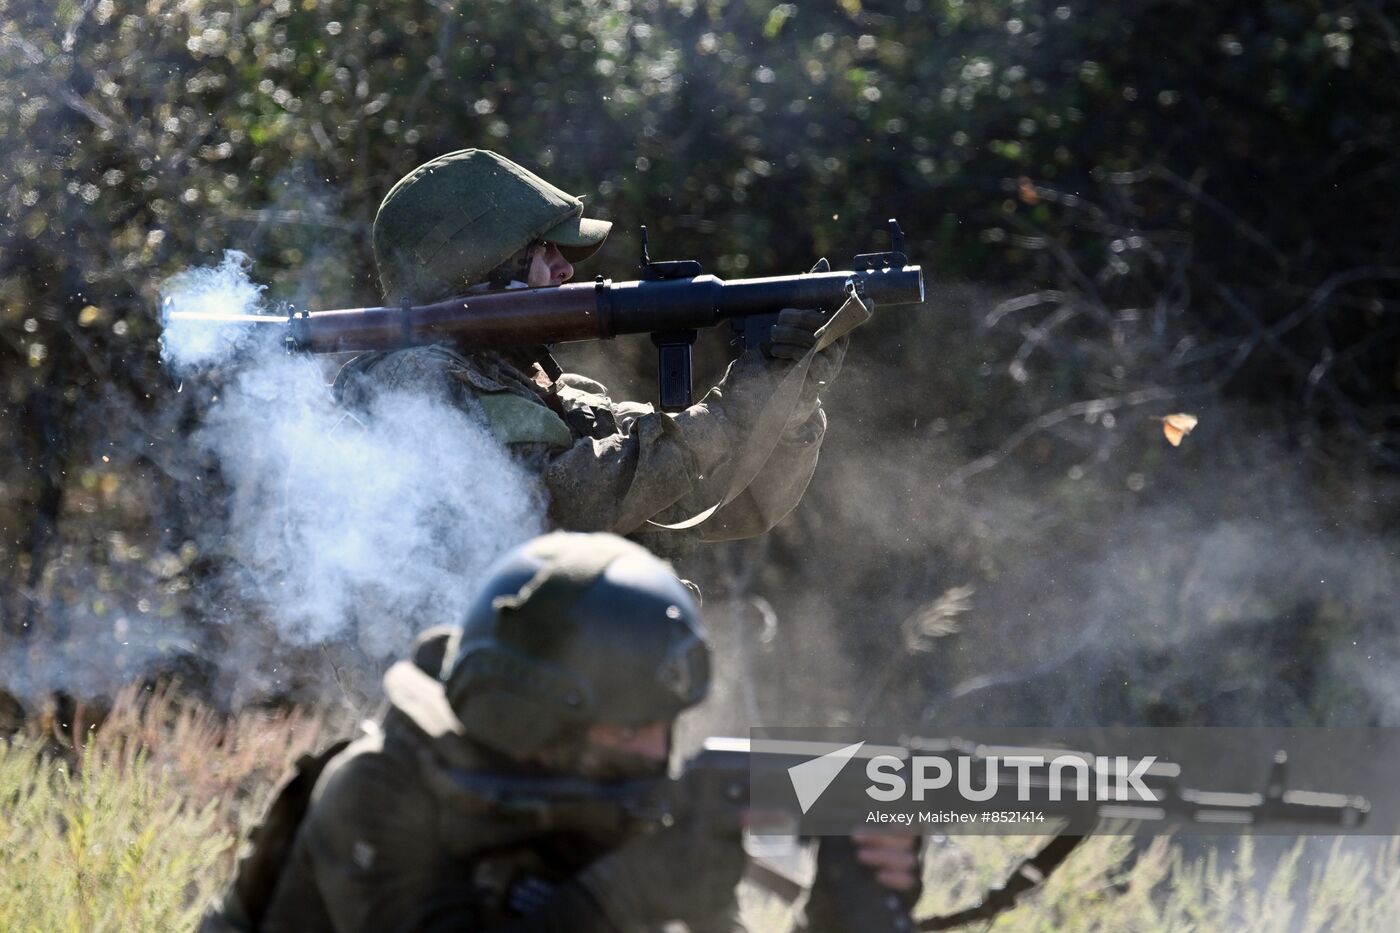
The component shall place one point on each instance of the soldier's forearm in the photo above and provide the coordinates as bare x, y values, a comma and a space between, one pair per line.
668, 468
617, 483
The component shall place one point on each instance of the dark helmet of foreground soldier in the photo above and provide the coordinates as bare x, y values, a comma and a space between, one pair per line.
573, 630
450, 222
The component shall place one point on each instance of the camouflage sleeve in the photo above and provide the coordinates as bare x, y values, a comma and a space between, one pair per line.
616, 483
669, 467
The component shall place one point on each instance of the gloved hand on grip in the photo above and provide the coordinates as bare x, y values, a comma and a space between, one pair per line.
794, 335
864, 882
685, 872
747, 392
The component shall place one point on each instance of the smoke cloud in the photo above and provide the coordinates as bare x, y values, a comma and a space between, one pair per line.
340, 528
189, 346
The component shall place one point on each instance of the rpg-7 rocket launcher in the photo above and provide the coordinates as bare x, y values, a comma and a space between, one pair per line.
671, 301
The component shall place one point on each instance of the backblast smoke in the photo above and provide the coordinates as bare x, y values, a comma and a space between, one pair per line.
350, 529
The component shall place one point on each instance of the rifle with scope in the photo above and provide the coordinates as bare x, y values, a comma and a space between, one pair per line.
671, 301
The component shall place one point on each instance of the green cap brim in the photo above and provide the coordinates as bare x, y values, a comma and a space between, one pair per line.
578, 237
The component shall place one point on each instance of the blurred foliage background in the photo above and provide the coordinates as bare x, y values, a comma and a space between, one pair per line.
1127, 210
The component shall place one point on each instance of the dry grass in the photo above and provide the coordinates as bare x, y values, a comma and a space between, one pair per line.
1111, 884
135, 829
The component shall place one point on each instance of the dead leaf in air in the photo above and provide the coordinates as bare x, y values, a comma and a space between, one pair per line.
1025, 188
1177, 426
937, 619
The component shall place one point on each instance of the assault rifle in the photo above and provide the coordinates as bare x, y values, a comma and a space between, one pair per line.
733, 783
671, 301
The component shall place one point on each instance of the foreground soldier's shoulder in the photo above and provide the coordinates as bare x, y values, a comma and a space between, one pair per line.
365, 765
375, 800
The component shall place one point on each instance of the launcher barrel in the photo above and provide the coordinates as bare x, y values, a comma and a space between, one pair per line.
591, 310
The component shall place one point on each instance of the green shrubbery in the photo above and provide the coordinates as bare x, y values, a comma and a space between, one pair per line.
115, 847
136, 828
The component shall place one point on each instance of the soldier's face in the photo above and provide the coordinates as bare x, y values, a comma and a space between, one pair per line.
548, 267
651, 741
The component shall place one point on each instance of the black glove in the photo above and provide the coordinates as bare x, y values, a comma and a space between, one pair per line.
846, 896
685, 872
794, 335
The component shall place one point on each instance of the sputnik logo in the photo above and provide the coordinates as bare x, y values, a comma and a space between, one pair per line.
811, 778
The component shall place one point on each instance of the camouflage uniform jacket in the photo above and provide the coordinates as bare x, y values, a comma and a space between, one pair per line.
389, 844
615, 466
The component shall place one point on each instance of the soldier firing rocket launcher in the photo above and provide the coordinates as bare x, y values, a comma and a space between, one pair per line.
734, 784
671, 301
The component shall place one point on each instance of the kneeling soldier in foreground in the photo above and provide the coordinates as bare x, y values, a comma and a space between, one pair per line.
575, 660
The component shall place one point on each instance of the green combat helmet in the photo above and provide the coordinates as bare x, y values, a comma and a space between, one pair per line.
448, 223
570, 630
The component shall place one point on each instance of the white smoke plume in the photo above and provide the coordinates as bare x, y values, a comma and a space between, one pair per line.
186, 345
358, 529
